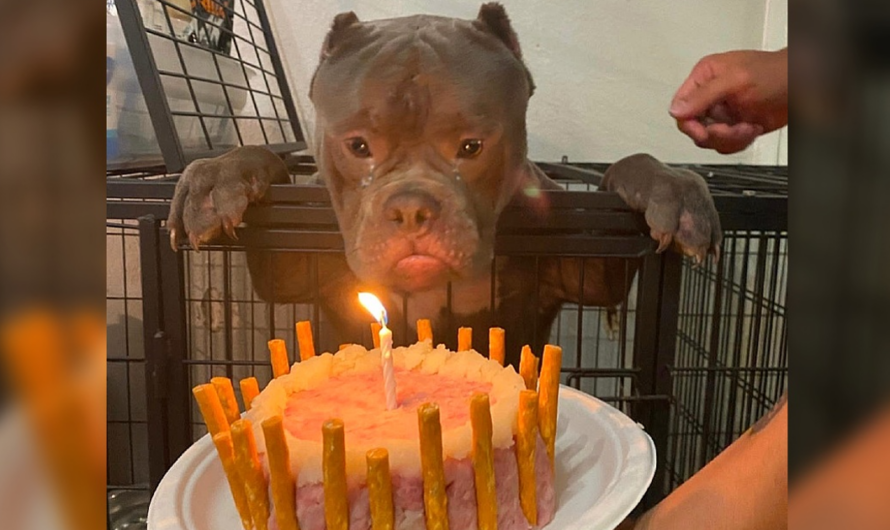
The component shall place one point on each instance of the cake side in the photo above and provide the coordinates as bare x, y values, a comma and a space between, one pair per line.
460, 489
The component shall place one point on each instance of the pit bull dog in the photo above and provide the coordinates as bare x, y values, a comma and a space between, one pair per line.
421, 143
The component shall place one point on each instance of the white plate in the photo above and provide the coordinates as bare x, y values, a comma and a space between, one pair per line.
604, 464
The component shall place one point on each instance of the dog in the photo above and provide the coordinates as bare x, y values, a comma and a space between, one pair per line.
421, 143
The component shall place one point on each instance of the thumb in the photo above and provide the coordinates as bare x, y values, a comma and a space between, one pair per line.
697, 98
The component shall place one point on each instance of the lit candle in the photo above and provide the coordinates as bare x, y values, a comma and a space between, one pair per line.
373, 305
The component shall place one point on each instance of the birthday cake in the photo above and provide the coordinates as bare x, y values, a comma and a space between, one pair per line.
469, 445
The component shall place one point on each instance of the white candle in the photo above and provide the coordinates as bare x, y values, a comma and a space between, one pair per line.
389, 378
373, 305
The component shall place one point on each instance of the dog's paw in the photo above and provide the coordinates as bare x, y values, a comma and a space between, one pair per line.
212, 194
676, 202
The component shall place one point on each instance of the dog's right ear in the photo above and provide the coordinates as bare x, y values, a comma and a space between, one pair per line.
493, 18
338, 28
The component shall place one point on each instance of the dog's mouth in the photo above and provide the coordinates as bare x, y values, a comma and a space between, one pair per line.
415, 266
419, 272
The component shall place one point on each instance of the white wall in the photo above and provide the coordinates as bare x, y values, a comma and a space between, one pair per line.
605, 70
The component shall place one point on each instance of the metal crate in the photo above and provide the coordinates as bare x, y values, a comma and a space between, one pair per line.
695, 360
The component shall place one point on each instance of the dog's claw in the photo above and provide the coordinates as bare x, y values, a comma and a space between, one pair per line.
173, 240
664, 240
229, 228
195, 241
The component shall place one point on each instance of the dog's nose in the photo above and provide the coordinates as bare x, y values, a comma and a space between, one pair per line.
412, 211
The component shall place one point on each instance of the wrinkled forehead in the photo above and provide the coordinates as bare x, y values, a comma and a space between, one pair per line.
409, 74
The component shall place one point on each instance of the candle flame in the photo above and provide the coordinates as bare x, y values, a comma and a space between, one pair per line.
373, 305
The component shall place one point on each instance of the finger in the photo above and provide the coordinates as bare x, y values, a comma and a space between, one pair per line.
720, 113
701, 73
728, 139
693, 129
738, 131
698, 99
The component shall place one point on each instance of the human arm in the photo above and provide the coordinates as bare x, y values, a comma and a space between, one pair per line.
744, 488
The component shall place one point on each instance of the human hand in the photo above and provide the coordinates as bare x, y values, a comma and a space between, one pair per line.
729, 99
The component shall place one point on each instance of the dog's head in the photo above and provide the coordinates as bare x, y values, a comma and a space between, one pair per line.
421, 141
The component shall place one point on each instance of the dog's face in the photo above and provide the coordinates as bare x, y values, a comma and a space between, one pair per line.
421, 141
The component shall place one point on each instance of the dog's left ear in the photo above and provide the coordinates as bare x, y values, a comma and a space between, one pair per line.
339, 29
493, 19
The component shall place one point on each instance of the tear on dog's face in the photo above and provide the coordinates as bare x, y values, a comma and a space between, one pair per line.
421, 141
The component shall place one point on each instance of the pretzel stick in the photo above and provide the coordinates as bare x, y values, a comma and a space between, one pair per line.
226, 394
496, 345
375, 333
528, 365
211, 409
526, 439
380, 490
226, 452
278, 358
251, 473
283, 488
435, 501
424, 330
336, 504
549, 398
464, 339
250, 389
483, 463
304, 339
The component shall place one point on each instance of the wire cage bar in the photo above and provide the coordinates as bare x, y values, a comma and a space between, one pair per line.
204, 100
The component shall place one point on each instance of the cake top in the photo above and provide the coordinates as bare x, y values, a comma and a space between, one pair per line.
358, 399
348, 385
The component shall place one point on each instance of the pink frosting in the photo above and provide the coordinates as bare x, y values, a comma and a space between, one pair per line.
350, 397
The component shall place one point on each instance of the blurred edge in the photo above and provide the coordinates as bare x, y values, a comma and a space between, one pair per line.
849, 488
839, 284
52, 338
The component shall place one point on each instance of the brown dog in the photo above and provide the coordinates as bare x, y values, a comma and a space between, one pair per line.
421, 142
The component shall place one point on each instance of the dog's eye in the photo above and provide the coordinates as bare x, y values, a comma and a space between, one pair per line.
470, 148
358, 147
